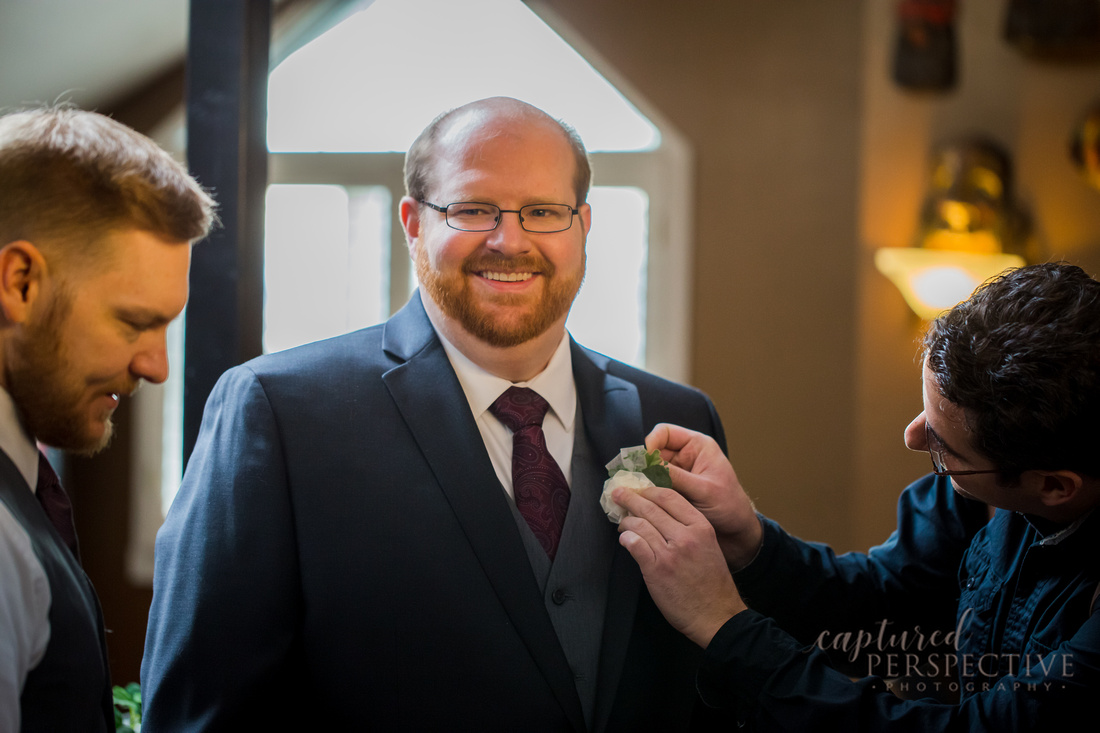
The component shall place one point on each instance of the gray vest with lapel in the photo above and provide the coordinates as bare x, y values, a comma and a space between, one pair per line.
574, 588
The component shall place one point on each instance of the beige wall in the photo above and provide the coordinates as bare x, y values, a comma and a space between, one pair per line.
768, 96
807, 158
1031, 108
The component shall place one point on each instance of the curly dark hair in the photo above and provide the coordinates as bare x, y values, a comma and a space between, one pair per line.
1021, 357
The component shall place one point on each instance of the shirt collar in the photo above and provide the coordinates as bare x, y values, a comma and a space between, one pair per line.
554, 383
1054, 534
16, 442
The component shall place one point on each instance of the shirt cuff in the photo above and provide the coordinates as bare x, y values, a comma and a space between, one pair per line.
741, 658
758, 566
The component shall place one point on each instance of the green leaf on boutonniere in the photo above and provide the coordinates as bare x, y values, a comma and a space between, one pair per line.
659, 475
656, 470
637, 459
634, 469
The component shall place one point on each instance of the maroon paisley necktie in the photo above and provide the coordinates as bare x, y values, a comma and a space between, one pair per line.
541, 491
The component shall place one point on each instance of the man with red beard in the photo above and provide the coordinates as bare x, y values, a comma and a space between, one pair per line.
375, 530
96, 224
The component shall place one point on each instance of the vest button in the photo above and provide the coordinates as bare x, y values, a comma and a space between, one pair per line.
558, 596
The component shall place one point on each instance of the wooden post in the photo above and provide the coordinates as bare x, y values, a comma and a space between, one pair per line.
227, 68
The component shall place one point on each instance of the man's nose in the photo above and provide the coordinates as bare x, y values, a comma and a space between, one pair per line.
916, 437
509, 237
151, 363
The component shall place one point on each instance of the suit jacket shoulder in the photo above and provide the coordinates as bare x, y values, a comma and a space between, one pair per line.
660, 399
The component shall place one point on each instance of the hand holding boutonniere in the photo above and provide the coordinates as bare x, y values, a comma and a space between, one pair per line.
635, 469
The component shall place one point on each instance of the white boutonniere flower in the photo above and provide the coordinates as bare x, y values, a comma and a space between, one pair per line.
633, 469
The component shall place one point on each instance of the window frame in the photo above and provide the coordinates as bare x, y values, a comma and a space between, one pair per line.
664, 174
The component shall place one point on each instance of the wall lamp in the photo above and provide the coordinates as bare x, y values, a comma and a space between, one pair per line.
1084, 146
969, 230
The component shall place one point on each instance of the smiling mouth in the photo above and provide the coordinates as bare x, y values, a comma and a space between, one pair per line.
507, 277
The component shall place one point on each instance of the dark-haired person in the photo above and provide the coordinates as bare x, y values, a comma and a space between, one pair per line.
366, 535
96, 226
1006, 607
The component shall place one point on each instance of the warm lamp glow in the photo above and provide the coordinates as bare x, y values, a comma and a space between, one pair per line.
969, 230
932, 281
983, 242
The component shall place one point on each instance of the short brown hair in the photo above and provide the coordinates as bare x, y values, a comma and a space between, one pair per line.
68, 177
419, 160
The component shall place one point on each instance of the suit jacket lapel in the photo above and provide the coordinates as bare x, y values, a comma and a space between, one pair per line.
612, 413
432, 402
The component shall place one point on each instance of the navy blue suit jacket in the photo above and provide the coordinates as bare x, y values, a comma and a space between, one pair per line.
341, 552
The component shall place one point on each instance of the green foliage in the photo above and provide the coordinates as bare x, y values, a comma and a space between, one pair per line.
647, 463
127, 708
658, 474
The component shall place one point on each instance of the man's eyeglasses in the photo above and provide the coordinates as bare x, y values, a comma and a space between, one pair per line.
936, 450
471, 216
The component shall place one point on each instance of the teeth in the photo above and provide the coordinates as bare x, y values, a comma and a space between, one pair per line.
508, 277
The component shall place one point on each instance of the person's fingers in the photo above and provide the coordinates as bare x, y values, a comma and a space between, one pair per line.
674, 504
684, 480
638, 547
665, 509
645, 529
685, 448
677, 502
642, 509
671, 439
659, 437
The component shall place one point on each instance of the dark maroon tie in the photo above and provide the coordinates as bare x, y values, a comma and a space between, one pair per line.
56, 503
540, 488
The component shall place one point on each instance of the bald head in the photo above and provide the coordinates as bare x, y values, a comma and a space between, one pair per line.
455, 128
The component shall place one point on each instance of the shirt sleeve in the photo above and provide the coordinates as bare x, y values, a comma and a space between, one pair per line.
774, 683
911, 578
24, 615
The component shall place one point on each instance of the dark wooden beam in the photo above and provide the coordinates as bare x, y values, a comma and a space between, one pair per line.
227, 71
150, 104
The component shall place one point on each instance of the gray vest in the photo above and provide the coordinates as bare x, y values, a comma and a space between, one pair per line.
70, 688
574, 588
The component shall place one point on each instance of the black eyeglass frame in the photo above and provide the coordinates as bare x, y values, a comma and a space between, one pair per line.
936, 455
500, 215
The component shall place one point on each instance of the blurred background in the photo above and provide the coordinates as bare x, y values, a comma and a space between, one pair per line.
752, 161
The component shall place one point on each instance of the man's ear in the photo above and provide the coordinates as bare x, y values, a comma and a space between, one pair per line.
1058, 487
22, 268
409, 210
586, 217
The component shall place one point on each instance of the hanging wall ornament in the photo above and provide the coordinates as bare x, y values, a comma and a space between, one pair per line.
1084, 146
1066, 30
924, 55
970, 228
970, 204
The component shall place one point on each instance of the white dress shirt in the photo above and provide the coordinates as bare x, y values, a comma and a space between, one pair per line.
555, 385
24, 589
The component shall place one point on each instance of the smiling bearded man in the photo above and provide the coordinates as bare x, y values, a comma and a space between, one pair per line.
507, 285
405, 520
453, 294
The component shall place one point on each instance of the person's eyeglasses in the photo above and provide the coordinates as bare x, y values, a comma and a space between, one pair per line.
936, 449
471, 216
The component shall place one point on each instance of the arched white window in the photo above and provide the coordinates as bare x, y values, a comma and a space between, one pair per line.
344, 107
